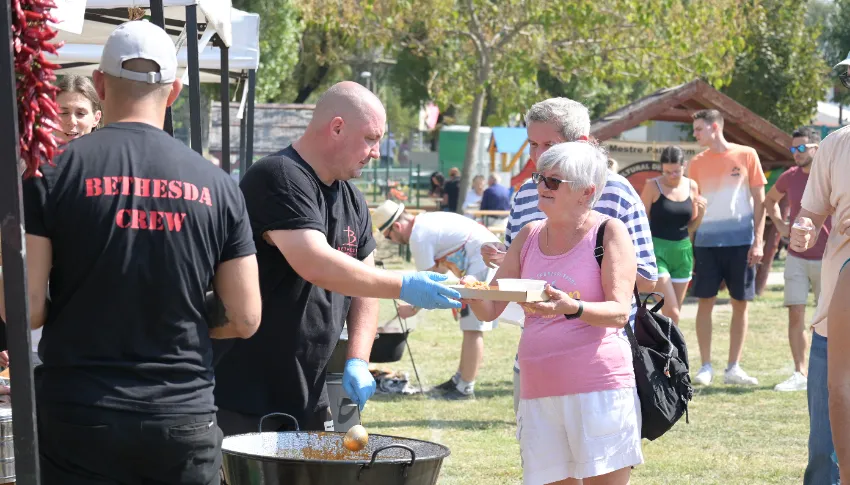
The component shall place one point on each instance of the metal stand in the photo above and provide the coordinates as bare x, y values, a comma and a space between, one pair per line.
403, 324
14, 267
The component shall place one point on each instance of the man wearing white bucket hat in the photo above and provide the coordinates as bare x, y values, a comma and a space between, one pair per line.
442, 242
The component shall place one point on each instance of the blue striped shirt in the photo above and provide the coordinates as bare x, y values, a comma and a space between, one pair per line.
619, 201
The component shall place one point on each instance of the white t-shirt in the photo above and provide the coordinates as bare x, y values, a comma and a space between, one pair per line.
472, 198
438, 234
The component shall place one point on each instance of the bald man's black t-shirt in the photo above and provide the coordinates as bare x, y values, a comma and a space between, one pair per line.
138, 223
282, 367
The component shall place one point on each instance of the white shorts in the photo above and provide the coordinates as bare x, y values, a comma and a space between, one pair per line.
578, 436
800, 275
468, 320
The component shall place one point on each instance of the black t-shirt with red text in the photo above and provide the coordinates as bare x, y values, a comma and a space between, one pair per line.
282, 367
138, 223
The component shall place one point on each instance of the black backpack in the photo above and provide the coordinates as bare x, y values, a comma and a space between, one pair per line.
660, 359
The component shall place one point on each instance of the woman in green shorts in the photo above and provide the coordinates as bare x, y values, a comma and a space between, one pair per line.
675, 210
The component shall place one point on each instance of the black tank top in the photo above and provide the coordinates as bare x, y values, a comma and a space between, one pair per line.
669, 219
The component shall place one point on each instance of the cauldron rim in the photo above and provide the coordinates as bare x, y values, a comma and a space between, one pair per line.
445, 451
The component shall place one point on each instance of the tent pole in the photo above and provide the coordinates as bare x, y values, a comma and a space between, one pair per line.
14, 267
225, 108
158, 17
249, 114
194, 78
243, 125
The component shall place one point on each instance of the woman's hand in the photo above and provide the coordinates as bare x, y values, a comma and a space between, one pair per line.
4, 358
701, 204
559, 303
407, 311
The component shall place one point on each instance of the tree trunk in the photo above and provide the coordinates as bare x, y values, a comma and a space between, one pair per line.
472, 138
313, 84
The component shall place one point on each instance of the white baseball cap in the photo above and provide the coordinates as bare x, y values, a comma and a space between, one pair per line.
140, 39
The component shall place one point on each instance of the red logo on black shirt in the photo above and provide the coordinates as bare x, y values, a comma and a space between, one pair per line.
350, 247
153, 188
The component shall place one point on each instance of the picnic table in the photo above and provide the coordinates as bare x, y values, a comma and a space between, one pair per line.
487, 216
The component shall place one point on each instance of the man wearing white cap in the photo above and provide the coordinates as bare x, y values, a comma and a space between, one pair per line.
130, 227
828, 194
442, 242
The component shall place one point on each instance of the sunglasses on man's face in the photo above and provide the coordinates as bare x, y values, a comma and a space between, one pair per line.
551, 182
798, 149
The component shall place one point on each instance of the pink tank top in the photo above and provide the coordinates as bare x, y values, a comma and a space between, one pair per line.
560, 357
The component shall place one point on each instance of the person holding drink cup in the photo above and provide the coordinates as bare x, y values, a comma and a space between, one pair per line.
827, 194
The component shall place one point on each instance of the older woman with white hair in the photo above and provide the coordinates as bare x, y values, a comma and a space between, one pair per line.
578, 418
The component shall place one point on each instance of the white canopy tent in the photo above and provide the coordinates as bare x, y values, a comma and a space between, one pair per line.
228, 48
81, 53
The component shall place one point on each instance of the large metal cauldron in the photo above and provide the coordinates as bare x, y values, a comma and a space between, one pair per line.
319, 458
7, 444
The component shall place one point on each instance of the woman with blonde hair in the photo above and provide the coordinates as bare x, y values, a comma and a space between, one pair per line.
578, 418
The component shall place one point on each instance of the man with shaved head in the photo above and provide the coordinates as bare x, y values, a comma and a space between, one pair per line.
130, 227
314, 243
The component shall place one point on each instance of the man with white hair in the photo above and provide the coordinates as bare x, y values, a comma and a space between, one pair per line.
496, 197
130, 227
560, 120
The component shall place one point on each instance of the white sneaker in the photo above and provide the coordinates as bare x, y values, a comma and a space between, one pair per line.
796, 382
704, 375
737, 376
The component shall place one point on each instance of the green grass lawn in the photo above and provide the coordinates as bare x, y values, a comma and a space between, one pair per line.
735, 436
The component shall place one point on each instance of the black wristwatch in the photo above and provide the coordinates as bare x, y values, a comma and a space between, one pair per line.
578, 312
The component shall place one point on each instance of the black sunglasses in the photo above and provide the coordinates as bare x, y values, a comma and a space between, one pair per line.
798, 149
551, 182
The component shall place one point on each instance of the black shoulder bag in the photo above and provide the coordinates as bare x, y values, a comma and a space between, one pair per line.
660, 359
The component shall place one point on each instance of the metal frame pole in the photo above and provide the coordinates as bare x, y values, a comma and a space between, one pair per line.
158, 17
243, 130
225, 108
194, 79
14, 267
249, 114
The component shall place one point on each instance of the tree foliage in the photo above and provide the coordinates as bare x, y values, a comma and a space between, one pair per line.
781, 74
837, 43
476, 46
280, 32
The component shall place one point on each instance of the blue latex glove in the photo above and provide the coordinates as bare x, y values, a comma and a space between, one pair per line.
424, 291
358, 381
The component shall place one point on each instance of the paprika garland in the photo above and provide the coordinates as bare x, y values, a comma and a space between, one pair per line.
36, 95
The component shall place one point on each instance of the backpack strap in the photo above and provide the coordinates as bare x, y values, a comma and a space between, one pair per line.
599, 249
598, 253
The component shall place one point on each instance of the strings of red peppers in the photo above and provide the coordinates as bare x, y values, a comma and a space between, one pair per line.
37, 108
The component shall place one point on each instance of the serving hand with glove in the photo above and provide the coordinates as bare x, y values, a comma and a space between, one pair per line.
424, 290
358, 381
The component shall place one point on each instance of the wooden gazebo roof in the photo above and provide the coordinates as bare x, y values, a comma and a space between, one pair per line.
678, 104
